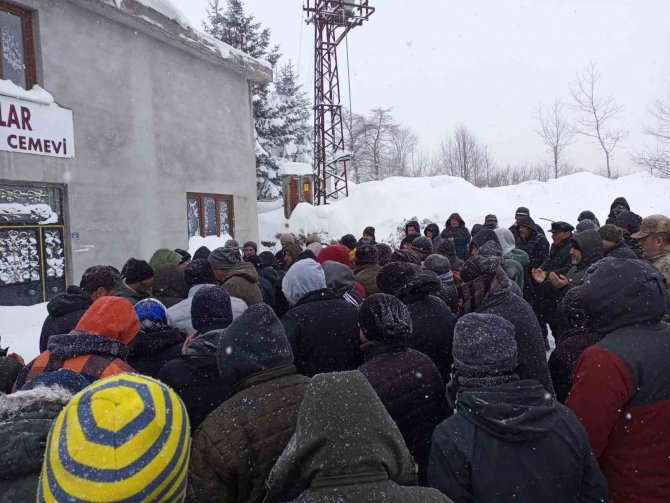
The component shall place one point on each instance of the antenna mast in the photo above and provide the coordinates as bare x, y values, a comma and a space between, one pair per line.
332, 19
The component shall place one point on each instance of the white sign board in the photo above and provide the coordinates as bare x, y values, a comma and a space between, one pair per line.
34, 128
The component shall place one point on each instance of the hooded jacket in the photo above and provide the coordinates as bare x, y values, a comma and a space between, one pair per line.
237, 445
591, 245
164, 256
366, 275
96, 348
410, 386
588, 215
153, 348
194, 376
323, 331
340, 280
65, 311
432, 320
345, 448
513, 442
461, 235
500, 299
621, 386
179, 315
535, 245
241, 281
437, 237
25, 420
415, 224
169, 284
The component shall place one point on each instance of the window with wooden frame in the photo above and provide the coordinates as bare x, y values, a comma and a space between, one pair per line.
210, 214
17, 49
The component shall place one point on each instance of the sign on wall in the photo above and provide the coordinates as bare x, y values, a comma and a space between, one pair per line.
34, 128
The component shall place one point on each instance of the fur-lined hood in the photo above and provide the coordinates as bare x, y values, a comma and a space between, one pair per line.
12, 406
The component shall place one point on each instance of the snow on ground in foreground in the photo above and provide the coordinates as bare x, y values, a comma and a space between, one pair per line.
20, 329
386, 204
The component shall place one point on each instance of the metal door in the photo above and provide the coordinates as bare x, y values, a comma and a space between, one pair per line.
32, 251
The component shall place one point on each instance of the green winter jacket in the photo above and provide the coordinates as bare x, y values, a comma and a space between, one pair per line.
164, 256
25, 420
346, 449
516, 263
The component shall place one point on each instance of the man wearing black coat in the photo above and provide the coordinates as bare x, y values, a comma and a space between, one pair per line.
321, 327
496, 296
194, 375
509, 440
407, 382
432, 320
66, 309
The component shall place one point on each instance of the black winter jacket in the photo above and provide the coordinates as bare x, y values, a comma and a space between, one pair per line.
432, 321
410, 387
563, 360
558, 260
195, 377
152, 349
460, 235
513, 443
65, 311
323, 331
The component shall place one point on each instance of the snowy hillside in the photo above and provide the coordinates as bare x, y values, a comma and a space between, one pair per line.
386, 204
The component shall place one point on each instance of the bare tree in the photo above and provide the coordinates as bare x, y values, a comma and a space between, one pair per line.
657, 158
555, 131
377, 132
463, 155
402, 145
596, 113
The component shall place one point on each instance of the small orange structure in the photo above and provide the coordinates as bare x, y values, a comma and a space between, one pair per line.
297, 185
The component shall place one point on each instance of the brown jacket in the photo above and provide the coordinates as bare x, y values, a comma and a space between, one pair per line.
242, 282
366, 275
237, 445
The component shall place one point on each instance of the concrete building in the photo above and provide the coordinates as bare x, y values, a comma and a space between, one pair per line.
144, 137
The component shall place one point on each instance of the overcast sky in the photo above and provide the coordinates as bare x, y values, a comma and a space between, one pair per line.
487, 64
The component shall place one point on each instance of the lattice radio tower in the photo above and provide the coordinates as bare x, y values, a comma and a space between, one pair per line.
332, 19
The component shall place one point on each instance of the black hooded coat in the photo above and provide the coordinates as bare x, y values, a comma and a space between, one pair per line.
512, 443
151, 349
460, 235
65, 311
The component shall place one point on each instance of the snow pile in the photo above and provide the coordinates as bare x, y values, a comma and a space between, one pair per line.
36, 94
21, 328
387, 204
211, 242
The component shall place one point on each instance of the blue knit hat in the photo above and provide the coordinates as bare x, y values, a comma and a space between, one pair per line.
125, 438
67, 379
211, 309
152, 314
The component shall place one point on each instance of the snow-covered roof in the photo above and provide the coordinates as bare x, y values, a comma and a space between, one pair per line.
164, 16
296, 168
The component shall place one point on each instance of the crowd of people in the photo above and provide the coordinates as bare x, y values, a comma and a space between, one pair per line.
350, 371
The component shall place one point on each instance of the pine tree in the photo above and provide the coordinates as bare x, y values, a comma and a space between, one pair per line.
242, 32
285, 133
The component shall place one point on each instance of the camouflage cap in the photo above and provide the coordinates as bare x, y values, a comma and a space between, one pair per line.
652, 225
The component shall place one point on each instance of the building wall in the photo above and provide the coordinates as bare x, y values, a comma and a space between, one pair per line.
151, 123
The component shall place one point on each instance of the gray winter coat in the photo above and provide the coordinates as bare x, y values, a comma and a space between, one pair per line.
346, 448
179, 315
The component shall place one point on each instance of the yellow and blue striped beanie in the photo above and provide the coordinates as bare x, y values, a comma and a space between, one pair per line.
125, 438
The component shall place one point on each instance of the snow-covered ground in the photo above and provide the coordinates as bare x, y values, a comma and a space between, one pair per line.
20, 329
386, 204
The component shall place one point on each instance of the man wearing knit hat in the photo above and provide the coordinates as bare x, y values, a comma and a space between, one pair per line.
407, 382
138, 278
237, 445
491, 222
367, 268
126, 438
368, 236
239, 279
96, 348
249, 249
422, 247
613, 242
509, 439
194, 375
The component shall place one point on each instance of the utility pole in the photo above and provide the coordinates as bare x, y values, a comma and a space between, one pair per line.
333, 20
